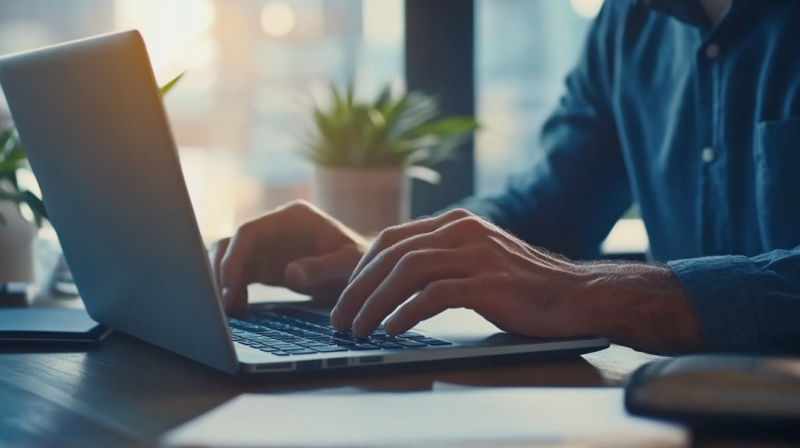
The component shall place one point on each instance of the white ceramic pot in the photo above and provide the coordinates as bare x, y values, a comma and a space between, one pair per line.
367, 200
16, 245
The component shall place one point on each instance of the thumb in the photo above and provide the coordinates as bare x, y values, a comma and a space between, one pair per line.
310, 275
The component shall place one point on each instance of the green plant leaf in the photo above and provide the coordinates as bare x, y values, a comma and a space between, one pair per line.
168, 86
384, 132
36, 205
383, 99
448, 126
5, 137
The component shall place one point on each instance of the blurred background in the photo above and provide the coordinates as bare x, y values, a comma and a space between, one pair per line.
255, 67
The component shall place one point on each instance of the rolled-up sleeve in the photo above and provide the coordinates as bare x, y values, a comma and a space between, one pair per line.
746, 304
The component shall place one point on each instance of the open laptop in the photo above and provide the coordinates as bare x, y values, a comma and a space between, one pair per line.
92, 121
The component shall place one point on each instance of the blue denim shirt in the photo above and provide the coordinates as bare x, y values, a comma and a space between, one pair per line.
698, 123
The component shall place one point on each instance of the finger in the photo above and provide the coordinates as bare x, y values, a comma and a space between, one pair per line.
362, 286
458, 233
232, 279
240, 262
320, 274
217, 252
431, 301
413, 273
394, 235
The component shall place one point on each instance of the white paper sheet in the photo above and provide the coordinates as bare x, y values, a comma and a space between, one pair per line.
586, 417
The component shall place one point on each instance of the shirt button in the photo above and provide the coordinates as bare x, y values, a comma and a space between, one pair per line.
712, 51
708, 155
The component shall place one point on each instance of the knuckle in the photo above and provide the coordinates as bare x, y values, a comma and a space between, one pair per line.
387, 236
299, 205
295, 208
409, 260
245, 231
459, 213
471, 225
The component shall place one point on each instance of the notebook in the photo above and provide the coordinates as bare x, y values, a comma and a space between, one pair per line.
49, 325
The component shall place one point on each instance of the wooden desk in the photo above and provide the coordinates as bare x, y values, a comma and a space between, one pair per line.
127, 393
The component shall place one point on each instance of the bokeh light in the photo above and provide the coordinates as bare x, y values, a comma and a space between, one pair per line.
587, 9
277, 19
178, 34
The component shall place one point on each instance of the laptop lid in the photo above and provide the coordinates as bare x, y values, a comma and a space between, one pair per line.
90, 116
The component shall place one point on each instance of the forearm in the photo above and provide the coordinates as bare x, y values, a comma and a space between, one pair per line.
643, 306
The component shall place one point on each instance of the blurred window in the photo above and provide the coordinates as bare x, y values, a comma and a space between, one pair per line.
525, 50
253, 70
255, 67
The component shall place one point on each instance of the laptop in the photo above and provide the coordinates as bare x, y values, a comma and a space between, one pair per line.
98, 139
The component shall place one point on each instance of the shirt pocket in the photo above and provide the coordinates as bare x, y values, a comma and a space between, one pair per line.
777, 170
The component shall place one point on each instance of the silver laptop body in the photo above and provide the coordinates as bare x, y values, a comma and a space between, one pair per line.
92, 121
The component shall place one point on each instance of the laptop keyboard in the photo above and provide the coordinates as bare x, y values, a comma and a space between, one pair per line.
286, 332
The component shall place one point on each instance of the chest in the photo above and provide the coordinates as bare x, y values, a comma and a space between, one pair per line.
678, 86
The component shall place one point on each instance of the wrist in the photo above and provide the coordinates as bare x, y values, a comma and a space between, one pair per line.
639, 305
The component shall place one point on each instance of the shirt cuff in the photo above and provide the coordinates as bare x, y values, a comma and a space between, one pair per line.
721, 300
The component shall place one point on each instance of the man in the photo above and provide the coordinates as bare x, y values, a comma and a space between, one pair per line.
691, 108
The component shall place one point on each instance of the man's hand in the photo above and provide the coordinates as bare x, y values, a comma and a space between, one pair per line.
296, 246
458, 260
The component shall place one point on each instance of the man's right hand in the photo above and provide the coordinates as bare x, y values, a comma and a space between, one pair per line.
297, 246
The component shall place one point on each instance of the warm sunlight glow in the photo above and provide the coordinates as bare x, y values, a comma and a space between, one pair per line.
176, 32
383, 21
587, 9
277, 19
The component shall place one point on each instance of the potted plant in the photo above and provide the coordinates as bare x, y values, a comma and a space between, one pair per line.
17, 229
365, 152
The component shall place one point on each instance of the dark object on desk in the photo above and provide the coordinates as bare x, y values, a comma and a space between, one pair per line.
719, 393
13, 295
50, 325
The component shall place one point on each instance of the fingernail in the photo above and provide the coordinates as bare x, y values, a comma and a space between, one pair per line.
296, 276
226, 295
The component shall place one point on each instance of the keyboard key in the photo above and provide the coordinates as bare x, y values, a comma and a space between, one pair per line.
316, 337
364, 347
329, 349
410, 343
311, 345
386, 337
280, 353
393, 339
270, 333
295, 332
388, 345
291, 339
432, 341
301, 351
411, 336
251, 336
